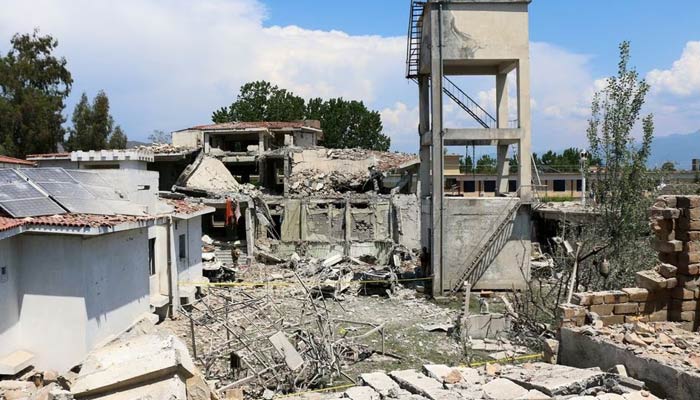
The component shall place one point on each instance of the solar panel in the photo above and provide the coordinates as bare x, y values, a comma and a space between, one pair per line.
20, 198
41, 175
68, 192
96, 184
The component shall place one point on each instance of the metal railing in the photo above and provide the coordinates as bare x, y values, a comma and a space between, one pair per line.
415, 32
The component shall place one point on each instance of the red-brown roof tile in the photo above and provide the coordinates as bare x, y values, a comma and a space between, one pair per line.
12, 160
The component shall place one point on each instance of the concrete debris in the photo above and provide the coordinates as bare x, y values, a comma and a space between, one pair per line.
156, 365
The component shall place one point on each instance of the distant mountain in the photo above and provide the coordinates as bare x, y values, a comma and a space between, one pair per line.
130, 144
678, 148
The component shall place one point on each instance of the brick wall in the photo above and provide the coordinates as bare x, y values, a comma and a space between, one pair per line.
669, 292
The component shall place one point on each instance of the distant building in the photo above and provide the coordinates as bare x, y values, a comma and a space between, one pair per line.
101, 159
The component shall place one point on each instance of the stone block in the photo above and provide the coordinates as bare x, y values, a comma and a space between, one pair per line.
692, 213
582, 299
602, 309
664, 213
671, 283
612, 319
480, 326
667, 270
437, 371
689, 282
637, 294
653, 306
362, 393
630, 319
677, 315
598, 298
688, 236
670, 246
615, 297
626, 308
688, 305
550, 349
499, 389
688, 258
420, 384
690, 269
658, 316
650, 280
690, 201
687, 224
554, 380
666, 201
682, 293
690, 247
380, 382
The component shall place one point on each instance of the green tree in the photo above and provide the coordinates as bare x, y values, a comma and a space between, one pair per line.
117, 140
262, 101
486, 165
93, 126
345, 123
668, 166
34, 84
348, 124
622, 186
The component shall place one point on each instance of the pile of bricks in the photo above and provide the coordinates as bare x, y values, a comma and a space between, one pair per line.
669, 292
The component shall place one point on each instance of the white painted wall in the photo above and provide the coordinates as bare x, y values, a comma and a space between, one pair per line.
160, 283
9, 297
119, 164
189, 268
74, 292
191, 139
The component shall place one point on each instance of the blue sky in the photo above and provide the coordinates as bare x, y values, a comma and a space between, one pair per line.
167, 65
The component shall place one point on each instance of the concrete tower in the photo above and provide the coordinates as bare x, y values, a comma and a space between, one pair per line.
483, 241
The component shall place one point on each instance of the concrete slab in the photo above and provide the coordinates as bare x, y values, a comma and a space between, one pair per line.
480, 326
134, 362
420, 384
362, 393
285, 349
437, 371
554, 380
534, 395
15, 362
503, 389
380, 382
582, 351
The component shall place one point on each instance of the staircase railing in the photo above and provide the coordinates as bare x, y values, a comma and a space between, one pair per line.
468, 104
475, 269
415, 33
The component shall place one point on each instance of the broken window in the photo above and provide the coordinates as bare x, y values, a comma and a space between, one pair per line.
490, 186
152, 256
469, 186
579, 185
512, 185
559, 185
182, 246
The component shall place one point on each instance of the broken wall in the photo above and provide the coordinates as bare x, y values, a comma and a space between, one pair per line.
468, 223
669, 292
406, 220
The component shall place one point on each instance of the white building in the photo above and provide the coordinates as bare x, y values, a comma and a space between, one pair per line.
102, 159
70, 282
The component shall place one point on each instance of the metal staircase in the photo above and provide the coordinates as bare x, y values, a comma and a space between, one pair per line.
479, 263
468, 104
415, 32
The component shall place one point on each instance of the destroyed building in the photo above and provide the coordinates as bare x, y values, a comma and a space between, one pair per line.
84, 255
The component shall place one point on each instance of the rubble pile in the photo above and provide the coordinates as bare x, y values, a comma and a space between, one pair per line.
331, 172
536, 381
669, 292
164, 148
242, 338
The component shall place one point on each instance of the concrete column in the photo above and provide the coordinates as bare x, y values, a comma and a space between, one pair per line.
525, 144
437, 182
424, 172
249, 231
173, 272
261, 142
502, 162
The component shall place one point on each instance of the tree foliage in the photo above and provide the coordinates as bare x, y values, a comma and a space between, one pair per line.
344, 123
34, 84
623, 187
159, 137
93, 126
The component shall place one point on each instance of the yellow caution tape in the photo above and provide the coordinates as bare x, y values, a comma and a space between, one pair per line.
275, 283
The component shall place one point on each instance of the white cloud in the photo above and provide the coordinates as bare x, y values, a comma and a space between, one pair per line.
401, 125
168, 65
683, 78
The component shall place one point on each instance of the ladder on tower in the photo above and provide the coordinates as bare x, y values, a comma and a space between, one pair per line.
479, 262
415, 33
